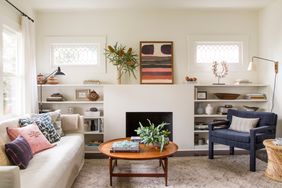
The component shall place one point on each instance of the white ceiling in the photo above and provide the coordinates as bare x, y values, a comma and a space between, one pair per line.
146, 4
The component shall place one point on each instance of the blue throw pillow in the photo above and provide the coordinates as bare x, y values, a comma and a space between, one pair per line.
19, 152
44, 123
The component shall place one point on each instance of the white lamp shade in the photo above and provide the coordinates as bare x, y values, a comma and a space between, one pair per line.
250, 67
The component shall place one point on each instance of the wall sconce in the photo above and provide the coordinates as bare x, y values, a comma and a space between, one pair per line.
250, 67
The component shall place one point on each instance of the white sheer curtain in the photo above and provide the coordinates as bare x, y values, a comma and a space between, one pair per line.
28, 35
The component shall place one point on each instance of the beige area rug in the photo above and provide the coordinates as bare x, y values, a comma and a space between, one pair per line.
223, 171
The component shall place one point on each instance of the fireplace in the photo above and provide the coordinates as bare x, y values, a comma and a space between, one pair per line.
133, 119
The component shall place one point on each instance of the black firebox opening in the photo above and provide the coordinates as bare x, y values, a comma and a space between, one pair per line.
133, 119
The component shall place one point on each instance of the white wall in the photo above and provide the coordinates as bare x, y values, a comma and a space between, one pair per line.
178, 99
131, 26
271, 47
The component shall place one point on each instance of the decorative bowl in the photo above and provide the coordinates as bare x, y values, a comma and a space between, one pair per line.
227, 96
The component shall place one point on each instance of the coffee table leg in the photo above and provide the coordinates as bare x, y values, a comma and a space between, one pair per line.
160, 162
111, 169
166, 170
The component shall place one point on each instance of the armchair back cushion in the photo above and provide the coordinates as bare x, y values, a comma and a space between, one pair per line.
243, 124
265, 118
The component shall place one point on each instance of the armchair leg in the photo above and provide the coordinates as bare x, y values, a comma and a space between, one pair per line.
252, 159
231, 150
211, 148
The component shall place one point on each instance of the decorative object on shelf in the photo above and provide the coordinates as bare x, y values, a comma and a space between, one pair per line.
242, 81
81, 94
227, 96
55, 97
224, 109
56, 72
41, 79
52, 80
191, 79
124, 60
92, 112
125, 146
254, 96
92, 82
152, 134
275, 72
70, 110
200, 109
209, 109
202, 95
250, 108
156, 62
93, 95
219, 72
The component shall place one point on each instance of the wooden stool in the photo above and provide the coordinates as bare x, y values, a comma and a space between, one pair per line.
274, 165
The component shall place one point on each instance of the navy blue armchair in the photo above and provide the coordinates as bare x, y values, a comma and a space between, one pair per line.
220, 133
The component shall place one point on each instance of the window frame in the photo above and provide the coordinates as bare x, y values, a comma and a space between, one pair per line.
100, 41
192, 41
6, 24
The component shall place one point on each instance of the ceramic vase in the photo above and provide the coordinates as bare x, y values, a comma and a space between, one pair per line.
209, 109
200, 109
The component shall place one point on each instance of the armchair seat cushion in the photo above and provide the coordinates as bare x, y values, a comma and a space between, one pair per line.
238, 136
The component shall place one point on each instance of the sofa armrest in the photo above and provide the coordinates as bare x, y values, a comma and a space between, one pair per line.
9, 177
212, 125
72, 123
262, 129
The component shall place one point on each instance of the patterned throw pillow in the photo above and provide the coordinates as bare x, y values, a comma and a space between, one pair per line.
4, 161
19, 152
44, 123
57, 121
32, 135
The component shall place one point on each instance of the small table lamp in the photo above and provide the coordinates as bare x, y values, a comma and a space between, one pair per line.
56, 72
250, 67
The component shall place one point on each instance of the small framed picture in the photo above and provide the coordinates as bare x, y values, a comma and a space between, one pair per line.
202, 95
81, 94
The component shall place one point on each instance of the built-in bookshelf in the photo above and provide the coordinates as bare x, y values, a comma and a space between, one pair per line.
201, 120
93, 125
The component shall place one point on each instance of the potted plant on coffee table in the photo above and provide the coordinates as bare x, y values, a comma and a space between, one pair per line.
152, 134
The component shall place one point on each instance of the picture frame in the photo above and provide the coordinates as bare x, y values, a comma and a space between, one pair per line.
202, 95
81, 94
156, 62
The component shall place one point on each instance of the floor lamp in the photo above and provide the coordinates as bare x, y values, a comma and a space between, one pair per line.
275, 72
56, 72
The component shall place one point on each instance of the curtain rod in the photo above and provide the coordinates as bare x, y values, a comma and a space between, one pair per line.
20, 11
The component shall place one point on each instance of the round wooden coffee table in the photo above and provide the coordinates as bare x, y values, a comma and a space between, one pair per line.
274, 164
146, 153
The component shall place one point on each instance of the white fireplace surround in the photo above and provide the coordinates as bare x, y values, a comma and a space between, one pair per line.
178, 99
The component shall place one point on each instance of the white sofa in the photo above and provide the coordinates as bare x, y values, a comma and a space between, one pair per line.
53, 168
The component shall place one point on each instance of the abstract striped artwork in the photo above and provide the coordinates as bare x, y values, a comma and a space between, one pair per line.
156, 62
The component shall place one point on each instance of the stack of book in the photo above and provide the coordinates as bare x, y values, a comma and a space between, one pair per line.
55, 97
125, 146
255, 96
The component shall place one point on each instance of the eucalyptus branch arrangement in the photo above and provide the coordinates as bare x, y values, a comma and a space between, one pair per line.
152, 134
124, 59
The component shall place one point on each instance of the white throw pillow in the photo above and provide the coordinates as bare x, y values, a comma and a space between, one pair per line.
243, 124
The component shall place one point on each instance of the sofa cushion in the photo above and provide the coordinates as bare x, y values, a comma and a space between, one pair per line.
57, 121
33, 136
238, 136
19, 152
70, 122
52, 168
44, 123
243, 124
4, 161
